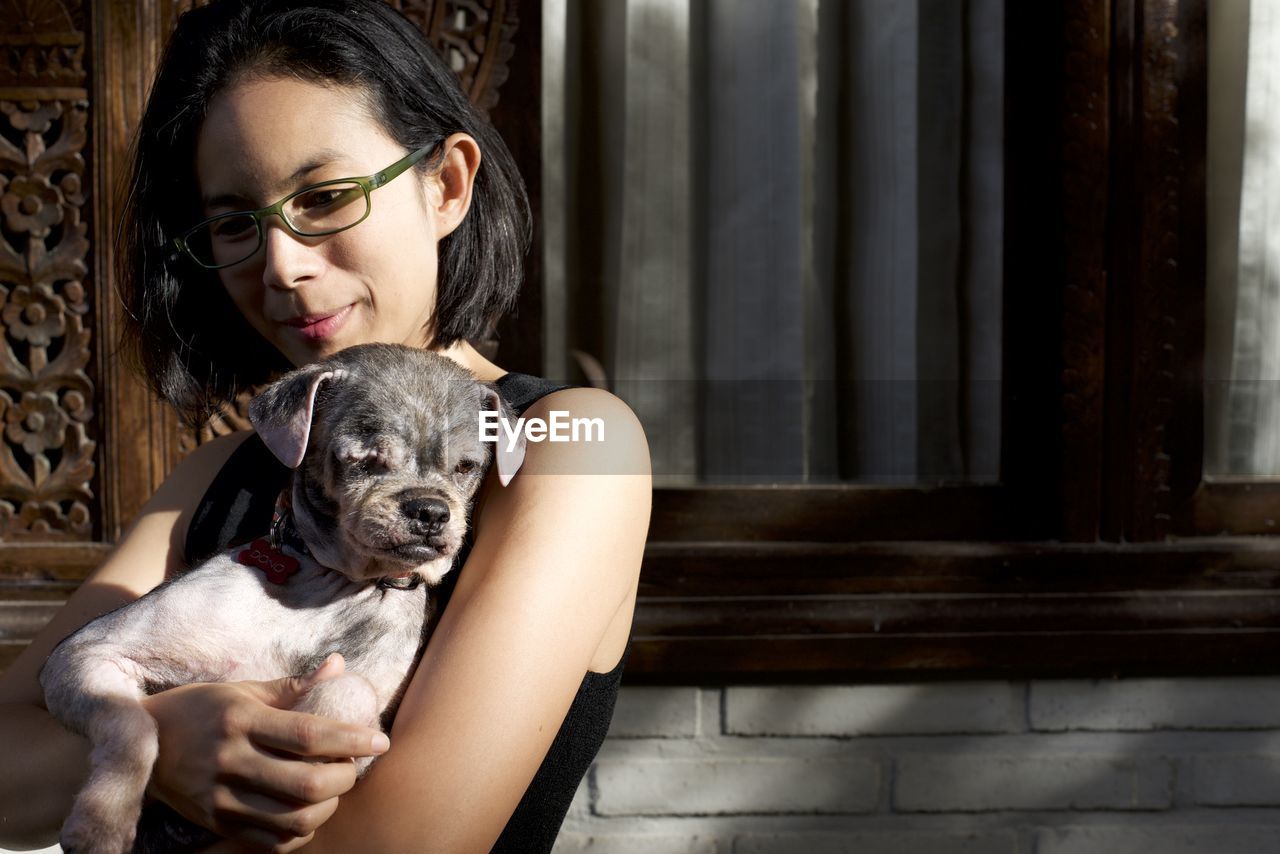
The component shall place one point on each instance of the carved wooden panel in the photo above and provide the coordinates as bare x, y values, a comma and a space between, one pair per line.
46, 317
475, 36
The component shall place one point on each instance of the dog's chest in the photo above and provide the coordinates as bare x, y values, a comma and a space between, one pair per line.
246, 627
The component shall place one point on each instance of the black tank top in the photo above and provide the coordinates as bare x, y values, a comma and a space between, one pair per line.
237, 508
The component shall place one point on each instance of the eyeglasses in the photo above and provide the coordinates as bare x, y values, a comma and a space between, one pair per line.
316, 210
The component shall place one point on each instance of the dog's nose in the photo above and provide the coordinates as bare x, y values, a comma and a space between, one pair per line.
430, 514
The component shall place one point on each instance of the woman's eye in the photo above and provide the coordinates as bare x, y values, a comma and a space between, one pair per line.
233, 227
318, 198
325, 197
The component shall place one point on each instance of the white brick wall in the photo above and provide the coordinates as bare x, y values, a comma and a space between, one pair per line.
1142, 766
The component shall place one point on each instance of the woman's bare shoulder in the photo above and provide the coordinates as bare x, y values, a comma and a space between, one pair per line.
146, 553
574, 517
598, 470
597, 434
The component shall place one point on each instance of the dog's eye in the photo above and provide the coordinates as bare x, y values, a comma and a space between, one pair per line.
465, 467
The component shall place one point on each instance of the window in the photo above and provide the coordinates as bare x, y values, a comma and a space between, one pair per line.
1084, 554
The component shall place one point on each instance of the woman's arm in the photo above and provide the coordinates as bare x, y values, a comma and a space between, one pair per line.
229, 752
555, 563
48, 764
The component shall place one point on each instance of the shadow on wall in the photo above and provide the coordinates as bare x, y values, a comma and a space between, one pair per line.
1135, 766
1140, 766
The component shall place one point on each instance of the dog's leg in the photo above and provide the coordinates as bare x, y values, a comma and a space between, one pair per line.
105, 813
348, 698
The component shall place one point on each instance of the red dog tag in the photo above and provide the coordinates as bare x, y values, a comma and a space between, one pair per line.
276, 565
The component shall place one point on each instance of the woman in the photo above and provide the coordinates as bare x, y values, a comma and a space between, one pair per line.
256, 100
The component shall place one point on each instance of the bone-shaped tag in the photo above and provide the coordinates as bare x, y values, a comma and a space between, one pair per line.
277, 565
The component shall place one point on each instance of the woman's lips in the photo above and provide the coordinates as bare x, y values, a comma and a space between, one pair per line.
317, 327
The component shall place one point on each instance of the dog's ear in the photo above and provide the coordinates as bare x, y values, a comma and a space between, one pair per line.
282, 413
507, 455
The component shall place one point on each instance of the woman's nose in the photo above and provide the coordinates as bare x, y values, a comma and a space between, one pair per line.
289, 260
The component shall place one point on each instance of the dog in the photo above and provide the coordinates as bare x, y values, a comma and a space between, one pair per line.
387, 456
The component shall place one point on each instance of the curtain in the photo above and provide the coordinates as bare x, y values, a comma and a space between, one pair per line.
1242, 348
775, 225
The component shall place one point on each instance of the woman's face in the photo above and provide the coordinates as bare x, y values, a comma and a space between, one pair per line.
312, 296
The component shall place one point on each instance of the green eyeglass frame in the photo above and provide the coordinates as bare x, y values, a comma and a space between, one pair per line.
368, 184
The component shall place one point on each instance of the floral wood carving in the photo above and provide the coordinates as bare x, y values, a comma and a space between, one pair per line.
475, 36
46, 395
229, 420
42, 43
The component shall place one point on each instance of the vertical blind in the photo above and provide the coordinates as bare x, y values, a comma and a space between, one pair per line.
776, 225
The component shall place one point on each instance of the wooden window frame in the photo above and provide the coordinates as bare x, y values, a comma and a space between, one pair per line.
1104, 550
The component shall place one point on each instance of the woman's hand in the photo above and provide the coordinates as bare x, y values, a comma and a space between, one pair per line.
232, 759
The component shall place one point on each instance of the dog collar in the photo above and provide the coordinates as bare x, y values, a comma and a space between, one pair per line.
283, 533
408, 581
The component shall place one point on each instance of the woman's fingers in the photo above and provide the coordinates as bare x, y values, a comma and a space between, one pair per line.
216, 736
239, 839
290, 779
306, 735
234, 759
285, 692
266, 841
240, 811
315, 737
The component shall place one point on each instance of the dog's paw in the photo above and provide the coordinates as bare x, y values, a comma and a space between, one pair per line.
348, 698
88, 834
98, 843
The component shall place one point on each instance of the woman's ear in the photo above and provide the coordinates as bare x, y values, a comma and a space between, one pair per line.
448, 188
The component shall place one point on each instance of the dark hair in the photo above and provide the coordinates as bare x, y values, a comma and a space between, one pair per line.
182, 329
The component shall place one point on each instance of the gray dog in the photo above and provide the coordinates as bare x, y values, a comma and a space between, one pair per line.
387, 456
